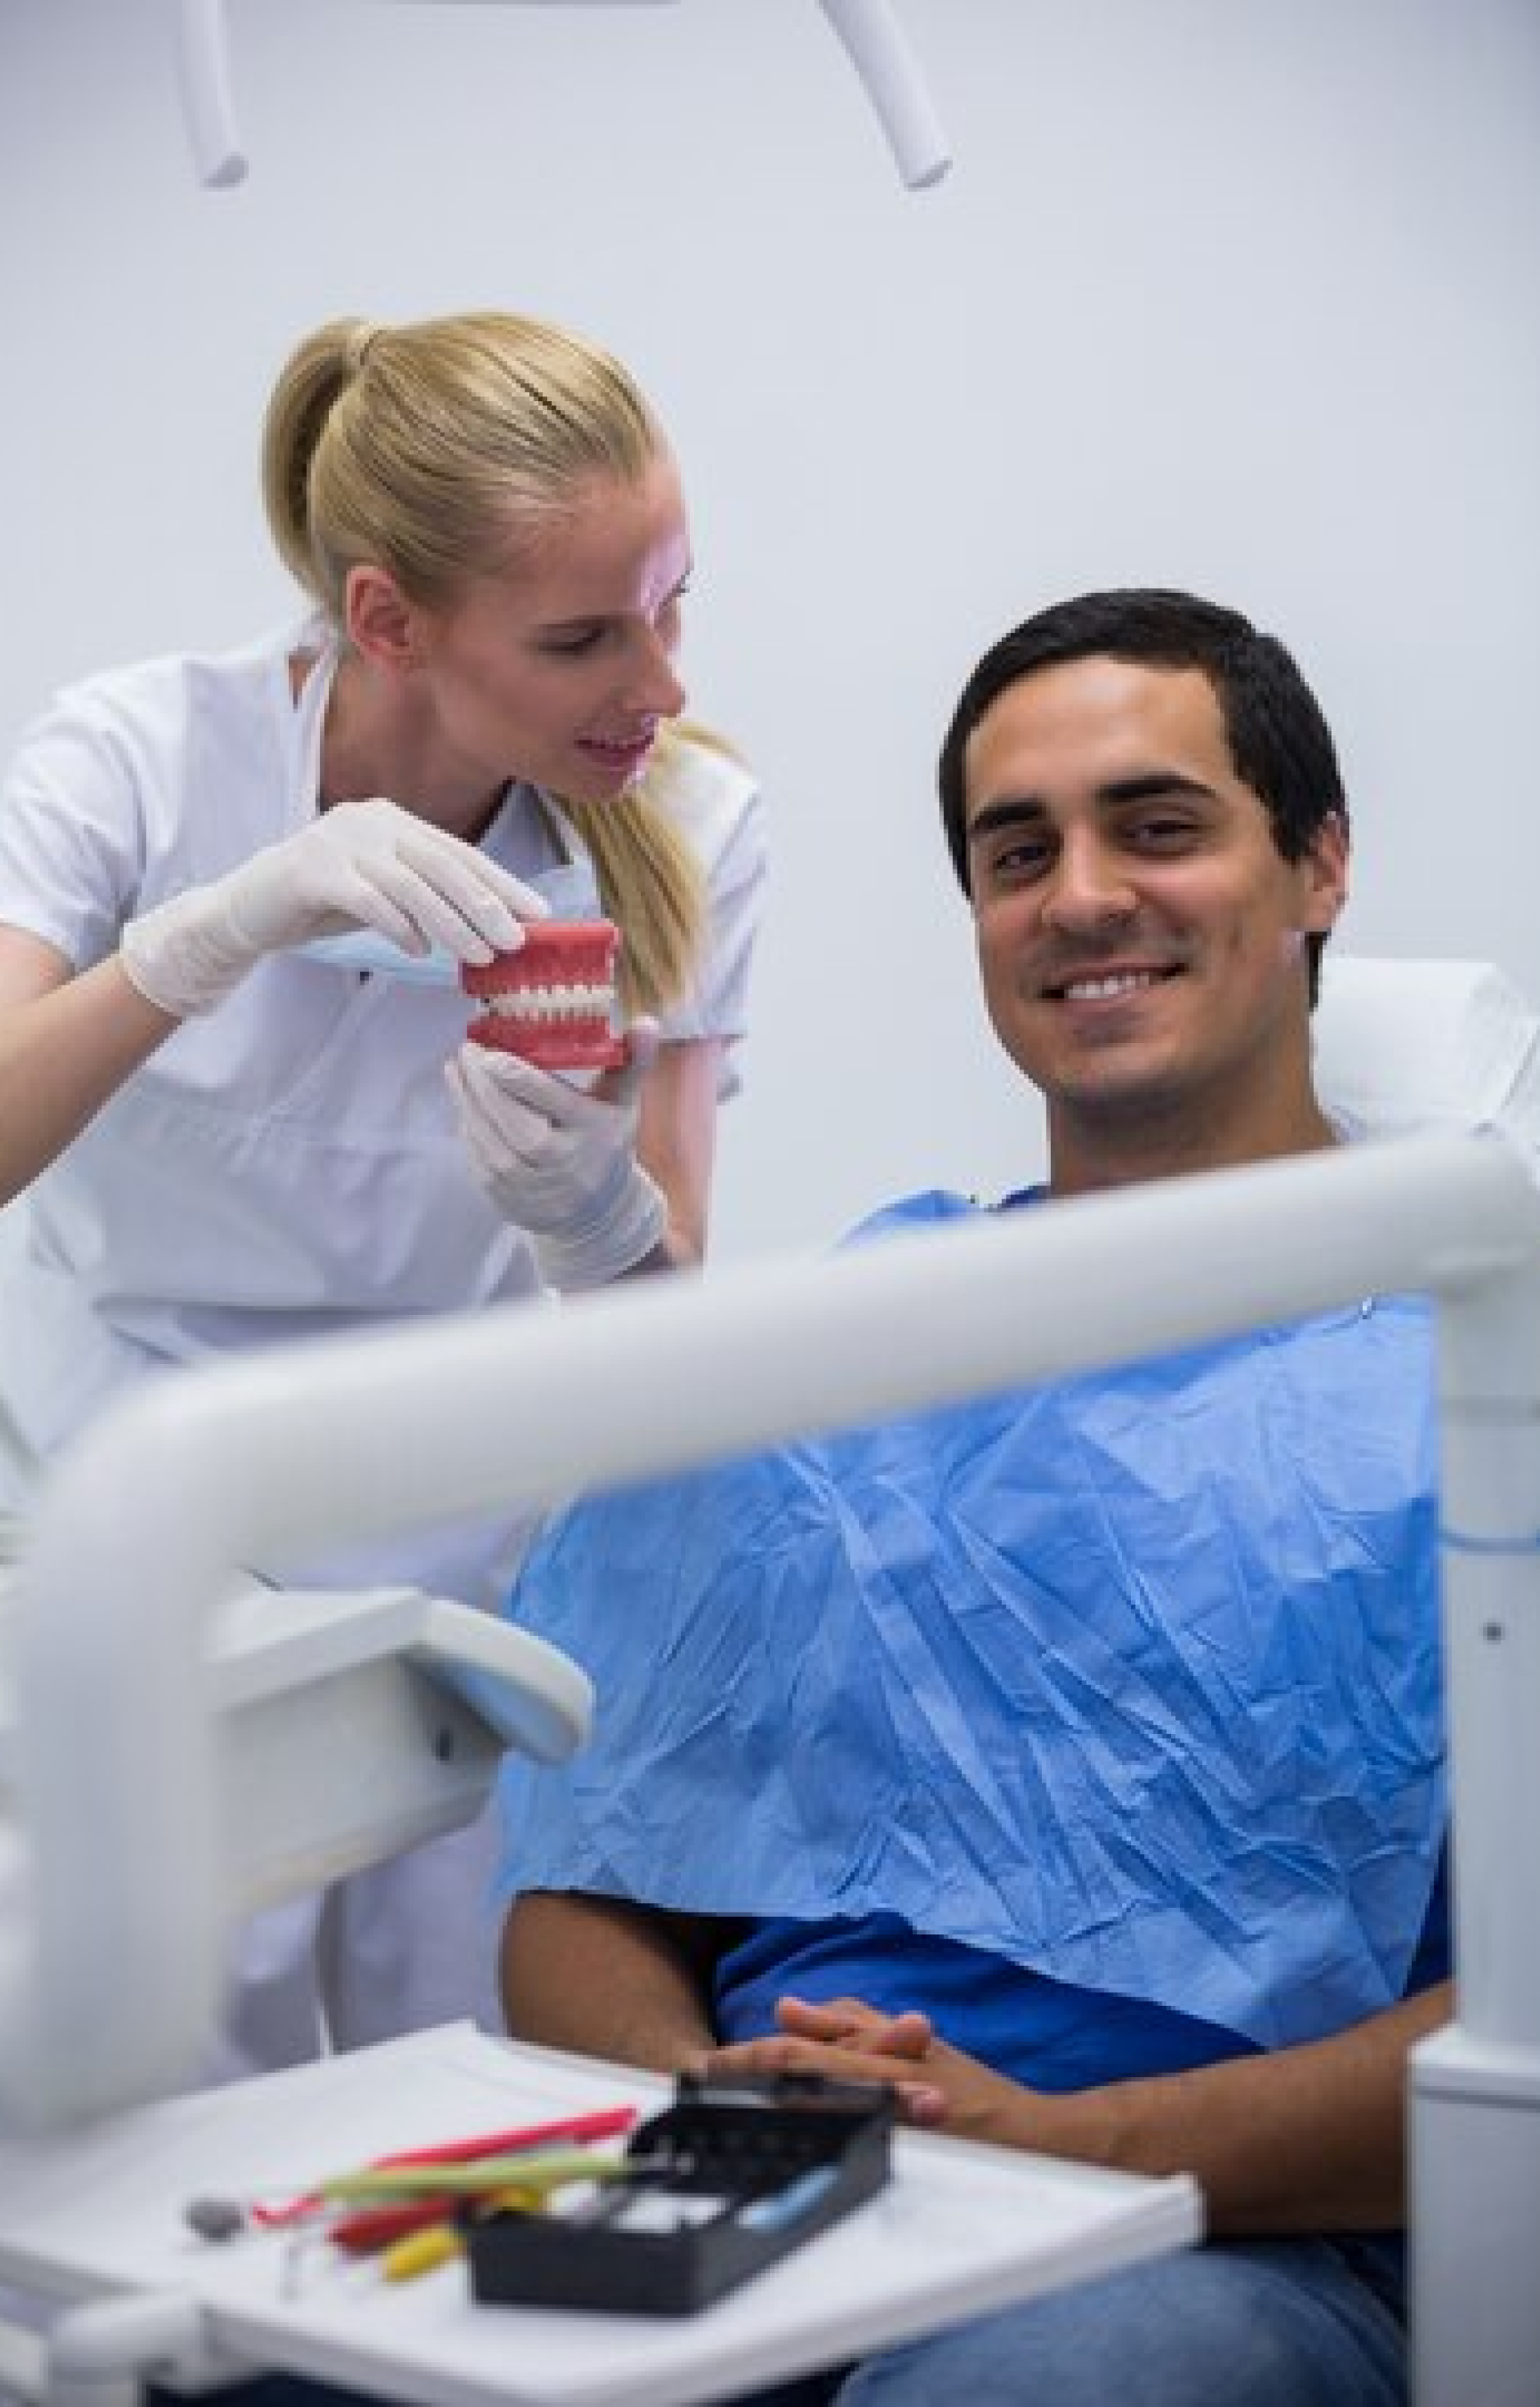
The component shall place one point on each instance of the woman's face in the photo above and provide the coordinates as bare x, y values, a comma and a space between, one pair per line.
559, 669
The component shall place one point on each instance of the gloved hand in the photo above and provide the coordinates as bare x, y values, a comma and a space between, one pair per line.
559, 1161
359, 865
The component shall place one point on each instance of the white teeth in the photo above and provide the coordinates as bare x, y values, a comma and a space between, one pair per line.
550, 1003
1098, 990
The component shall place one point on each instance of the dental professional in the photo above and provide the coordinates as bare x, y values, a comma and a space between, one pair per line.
226, 1129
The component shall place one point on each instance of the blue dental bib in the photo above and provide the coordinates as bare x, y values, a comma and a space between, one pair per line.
1132, 1679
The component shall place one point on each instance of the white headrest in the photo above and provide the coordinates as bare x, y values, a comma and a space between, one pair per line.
1401, 1046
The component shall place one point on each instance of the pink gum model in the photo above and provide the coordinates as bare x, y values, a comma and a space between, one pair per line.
551, 1003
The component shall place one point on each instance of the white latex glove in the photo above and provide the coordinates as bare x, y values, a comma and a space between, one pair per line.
559, 1161
359, 865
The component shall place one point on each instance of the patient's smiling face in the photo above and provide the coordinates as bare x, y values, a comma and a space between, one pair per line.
1140, 936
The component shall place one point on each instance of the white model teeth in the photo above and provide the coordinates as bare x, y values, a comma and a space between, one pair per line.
1099, 990
546, 1003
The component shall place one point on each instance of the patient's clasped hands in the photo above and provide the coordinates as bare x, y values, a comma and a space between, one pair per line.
938, 2088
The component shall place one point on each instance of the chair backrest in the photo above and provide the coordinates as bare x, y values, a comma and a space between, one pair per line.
1426, 1045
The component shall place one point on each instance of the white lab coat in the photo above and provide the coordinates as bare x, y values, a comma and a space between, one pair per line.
287, 1165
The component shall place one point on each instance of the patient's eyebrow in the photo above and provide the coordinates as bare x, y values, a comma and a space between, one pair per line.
1004, 814
1147, 785
1150, 785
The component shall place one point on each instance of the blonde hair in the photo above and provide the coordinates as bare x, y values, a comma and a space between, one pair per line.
424, 450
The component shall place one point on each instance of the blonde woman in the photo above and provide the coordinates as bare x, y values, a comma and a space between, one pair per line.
224, 1138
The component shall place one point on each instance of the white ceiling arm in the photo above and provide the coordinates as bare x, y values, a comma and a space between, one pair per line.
887, 67
880, 53
279, 1456
203, 60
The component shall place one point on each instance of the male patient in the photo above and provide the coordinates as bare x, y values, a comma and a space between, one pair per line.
1071, 1760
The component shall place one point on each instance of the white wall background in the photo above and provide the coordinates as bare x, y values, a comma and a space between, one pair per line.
1241, 294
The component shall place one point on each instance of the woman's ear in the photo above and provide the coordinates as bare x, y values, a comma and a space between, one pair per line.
381, 624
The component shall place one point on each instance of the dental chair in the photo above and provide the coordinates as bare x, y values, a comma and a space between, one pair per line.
356, 1726
1419, 1045
179, 1747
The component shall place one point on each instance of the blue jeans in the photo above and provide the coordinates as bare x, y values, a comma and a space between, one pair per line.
1266, 2323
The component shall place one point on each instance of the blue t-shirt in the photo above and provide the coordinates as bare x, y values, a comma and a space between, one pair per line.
1046, 2033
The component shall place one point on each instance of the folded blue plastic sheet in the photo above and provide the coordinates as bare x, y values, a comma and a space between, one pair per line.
1132, 1679
365, 954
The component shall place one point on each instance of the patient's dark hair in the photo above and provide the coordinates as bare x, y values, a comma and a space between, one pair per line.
1278, 739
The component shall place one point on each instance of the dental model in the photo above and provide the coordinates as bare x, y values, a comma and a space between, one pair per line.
552, 1001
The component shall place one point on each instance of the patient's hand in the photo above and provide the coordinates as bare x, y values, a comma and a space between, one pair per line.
938, 2087
850, 2022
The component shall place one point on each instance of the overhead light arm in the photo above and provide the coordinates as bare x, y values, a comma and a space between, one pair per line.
881, 55
884, 60
202, 58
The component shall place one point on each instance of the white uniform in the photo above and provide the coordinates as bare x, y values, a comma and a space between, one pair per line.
287, 1164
